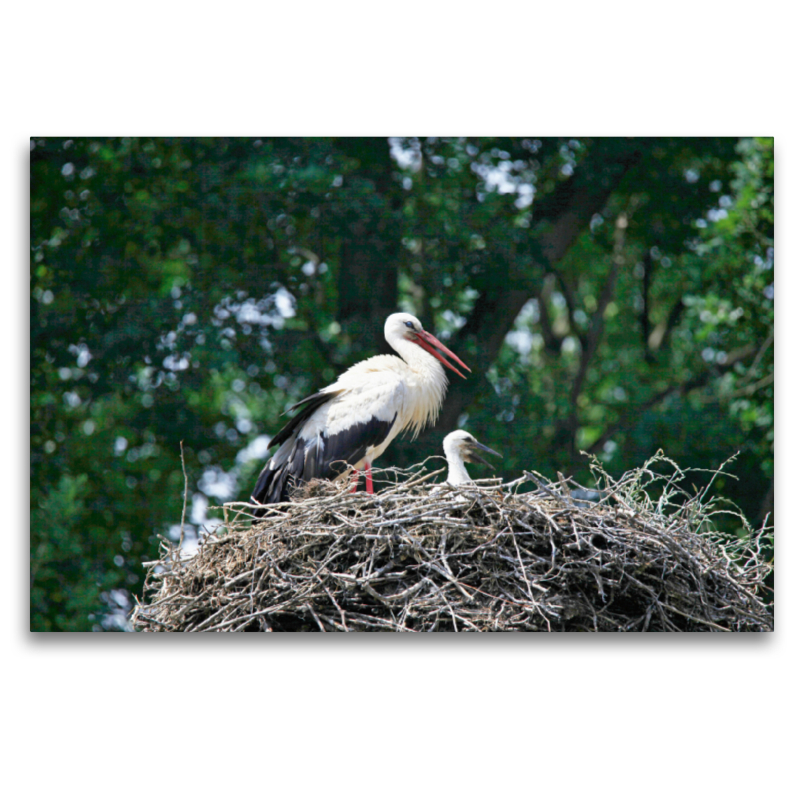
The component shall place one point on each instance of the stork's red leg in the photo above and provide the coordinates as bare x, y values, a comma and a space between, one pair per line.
354, 481
368, 475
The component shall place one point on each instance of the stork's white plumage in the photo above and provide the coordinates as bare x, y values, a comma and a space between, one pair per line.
351, 422
460, 446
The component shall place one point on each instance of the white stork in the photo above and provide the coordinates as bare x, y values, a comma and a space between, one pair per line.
460, 446
351, 422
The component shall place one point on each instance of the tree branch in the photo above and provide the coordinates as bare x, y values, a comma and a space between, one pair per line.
684, 388
551, 340
647, 263
661, 332
572, 206
569, 299
592, 339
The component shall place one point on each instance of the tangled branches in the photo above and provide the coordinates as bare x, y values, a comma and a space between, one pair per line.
423, 557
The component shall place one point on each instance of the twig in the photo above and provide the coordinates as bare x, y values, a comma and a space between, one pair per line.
185, 497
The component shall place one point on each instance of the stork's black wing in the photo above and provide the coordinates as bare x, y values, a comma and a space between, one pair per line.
330, 455
325, 456
309, 405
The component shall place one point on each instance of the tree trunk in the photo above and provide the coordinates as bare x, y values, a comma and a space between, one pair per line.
370, 252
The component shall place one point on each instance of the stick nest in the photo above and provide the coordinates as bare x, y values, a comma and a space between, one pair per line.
638, 555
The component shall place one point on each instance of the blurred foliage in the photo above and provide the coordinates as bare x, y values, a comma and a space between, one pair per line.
613, 296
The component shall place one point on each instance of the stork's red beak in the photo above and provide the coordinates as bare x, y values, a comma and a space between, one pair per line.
427, 341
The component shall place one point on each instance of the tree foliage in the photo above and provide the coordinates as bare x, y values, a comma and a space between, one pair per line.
613, 296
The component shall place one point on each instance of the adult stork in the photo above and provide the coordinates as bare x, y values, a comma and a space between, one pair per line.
351, 422
460, 446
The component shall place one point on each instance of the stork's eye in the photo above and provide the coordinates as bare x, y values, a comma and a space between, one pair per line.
410, 325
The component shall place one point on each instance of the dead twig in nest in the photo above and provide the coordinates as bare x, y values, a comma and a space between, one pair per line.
418, 556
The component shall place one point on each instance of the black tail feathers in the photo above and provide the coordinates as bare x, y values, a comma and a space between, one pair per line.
272, 486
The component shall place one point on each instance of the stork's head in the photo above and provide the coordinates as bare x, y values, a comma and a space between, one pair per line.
466, 447
407, 328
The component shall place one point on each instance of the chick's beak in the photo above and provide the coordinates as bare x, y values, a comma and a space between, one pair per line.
472, 456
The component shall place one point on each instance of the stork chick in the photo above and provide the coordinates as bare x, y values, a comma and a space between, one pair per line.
460, 446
